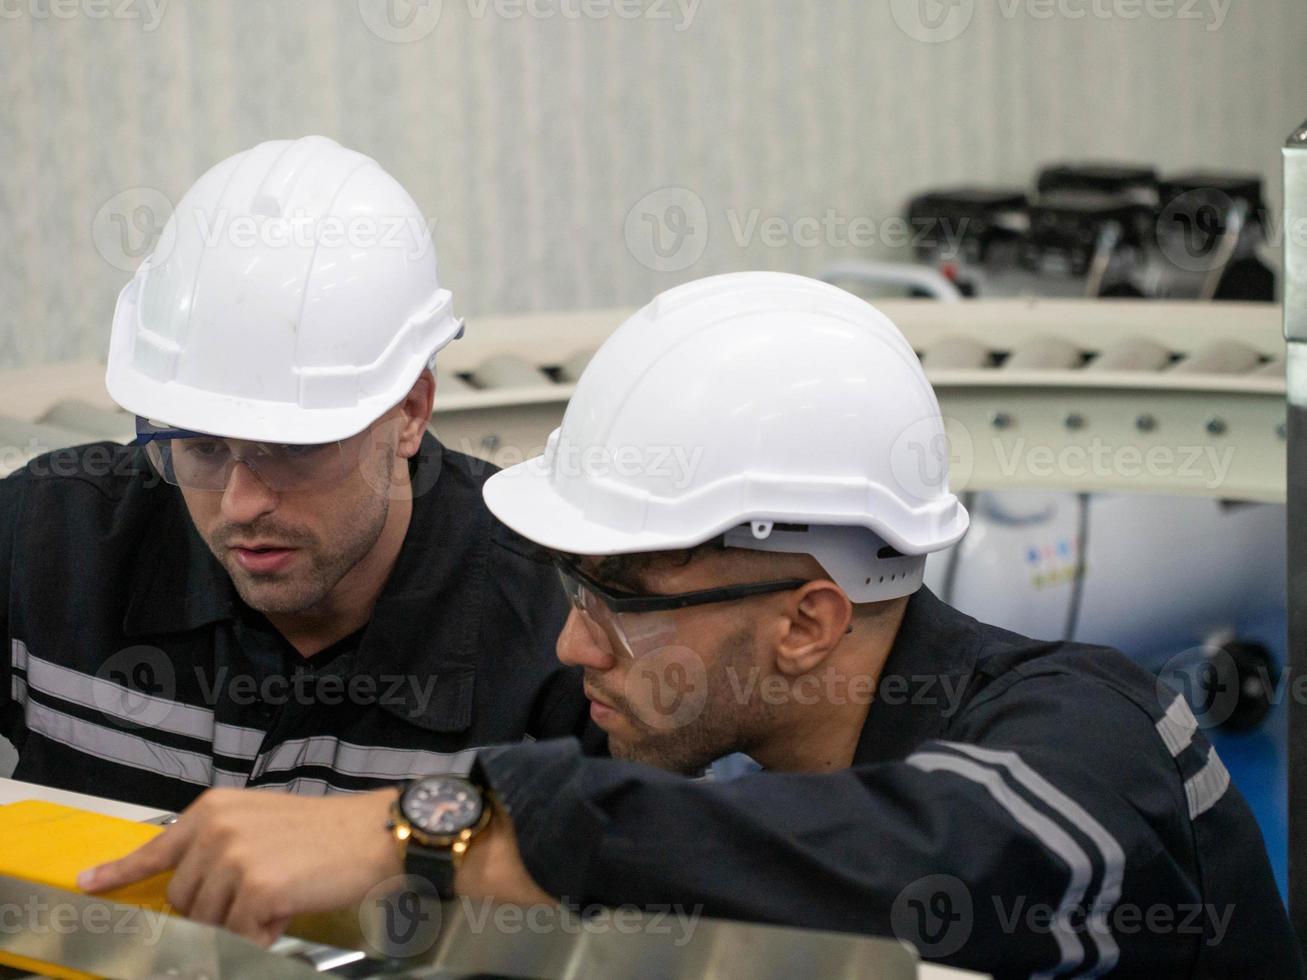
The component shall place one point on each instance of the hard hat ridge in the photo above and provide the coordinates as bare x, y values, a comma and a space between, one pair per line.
293, 297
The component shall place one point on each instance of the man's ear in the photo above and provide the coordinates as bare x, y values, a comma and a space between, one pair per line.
819, 616
415, 413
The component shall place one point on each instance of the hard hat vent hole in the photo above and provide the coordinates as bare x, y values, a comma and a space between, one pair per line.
868, 582
882, 578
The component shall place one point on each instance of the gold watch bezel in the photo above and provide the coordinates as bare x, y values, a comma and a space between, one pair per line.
404, 831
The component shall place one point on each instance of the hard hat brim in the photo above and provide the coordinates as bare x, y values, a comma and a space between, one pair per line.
523, 497
244, 418
184, 406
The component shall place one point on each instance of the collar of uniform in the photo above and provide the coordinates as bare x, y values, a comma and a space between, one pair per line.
178, 585
929, 667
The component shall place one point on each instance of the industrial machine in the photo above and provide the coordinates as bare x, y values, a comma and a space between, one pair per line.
1101, 230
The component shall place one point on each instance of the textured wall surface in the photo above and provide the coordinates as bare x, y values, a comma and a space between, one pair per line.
533, 131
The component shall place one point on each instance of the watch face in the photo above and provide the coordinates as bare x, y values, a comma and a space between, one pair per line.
442, 805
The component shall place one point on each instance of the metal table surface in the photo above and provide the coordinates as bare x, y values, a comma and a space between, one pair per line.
173, 947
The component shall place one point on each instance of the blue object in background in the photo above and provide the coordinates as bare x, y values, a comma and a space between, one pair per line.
1259, 760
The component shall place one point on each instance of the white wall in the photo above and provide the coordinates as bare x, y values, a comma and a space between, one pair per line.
531, 138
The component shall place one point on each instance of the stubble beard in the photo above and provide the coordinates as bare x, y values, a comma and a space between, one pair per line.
308, 588
724, 726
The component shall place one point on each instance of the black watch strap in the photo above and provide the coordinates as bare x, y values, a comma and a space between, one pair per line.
431, 865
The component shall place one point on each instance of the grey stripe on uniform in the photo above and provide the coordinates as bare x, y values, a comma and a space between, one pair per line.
120, 747
1177, 726
112, 699
1044, 830
1109, 849
371, 762
145, 712
1203, 789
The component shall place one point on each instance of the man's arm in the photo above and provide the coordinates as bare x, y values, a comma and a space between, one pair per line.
941, 851
936, 850
1051, 839
1044, 842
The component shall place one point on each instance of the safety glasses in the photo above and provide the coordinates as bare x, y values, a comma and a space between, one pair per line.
642, 623
197, 461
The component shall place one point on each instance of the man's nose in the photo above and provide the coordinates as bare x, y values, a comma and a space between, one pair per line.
246, 498
577, 646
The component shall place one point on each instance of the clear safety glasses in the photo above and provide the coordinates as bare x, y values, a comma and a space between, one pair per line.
197, 461
639, 624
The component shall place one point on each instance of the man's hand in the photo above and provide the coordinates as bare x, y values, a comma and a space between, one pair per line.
251, 860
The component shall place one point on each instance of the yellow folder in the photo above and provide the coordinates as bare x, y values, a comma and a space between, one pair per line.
52, 844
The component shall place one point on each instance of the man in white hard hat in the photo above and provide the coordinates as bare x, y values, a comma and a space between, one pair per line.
287, 582
1009, 805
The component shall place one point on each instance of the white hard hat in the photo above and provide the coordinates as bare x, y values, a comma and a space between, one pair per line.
293, 297
780, 411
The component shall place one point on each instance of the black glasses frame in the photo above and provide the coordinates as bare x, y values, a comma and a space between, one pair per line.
619, 601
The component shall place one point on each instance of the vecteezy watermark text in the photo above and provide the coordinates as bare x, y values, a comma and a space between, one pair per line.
939, 21
39, 916
406, 21
148, 12
668, 230
939, 913
677, 922
674, 464
1102, 460
835, 687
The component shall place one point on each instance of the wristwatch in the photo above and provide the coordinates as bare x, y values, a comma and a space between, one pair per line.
436, 818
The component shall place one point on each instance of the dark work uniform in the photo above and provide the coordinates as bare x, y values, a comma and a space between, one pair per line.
132, 669
1016, 807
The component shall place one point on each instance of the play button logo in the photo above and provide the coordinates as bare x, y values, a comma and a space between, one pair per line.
933, 21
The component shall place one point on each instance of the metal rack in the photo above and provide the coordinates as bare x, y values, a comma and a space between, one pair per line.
1181, 381
1071, 378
